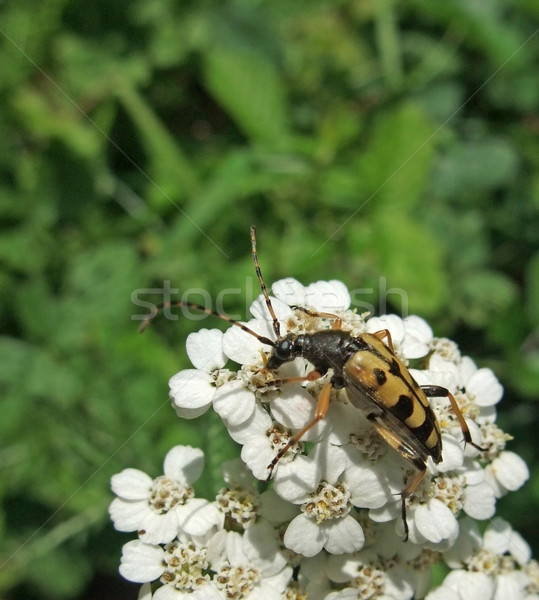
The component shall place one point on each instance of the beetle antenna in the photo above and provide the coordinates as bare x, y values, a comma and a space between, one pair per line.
276, 325
157, 309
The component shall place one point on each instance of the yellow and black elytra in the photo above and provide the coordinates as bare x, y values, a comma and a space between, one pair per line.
376, 381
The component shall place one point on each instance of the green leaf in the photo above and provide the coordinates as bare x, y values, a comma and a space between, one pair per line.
64, 122
170, 174
232, 180
440, 101
482, 295
469, 167
94, 68
394, 168
411, 264
532, 289
483, 26
15, 358
340, 125
49, 576
21, 248
36, 308
340, 187
250, 88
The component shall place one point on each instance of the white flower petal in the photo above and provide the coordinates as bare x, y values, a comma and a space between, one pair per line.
191, 389
261, 546
443, 372
304, 536
141, 562
295, 481
452, 454
265, 591
131, 484
168, 592
340, 568
401, 583
441, 593
294, 408
519, 548
345, 420
497, 536
184, 464
234, 548
417, 339
275, 509
205, 349
159, 528
236, 474
316, 569
258, 424
330, 461
468, 540
391, 322
198, 516
479, 501
327, 296
190, 413
259, 310
289, 291
234, 403
349, 593
484, 387
474, 472
435, 521
257, 454
510, 470
475, 586
467, 368
278, 582
368, 488
386, 513
128, 515
216, 549
145, 592
414, 348
475, 433
343, 535
206, 591
244, 348
510, 585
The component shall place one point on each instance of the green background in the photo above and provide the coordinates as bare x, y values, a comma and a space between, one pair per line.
381, 143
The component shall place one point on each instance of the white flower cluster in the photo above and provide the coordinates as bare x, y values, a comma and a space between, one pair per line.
329, 526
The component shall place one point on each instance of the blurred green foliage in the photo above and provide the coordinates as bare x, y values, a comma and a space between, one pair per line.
369, 141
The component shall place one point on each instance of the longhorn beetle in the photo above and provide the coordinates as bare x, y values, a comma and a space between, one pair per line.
375, 379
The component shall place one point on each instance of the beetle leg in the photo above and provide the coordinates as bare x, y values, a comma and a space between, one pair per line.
321, 409
436, 391
384, 333
410, 488
408, 453
312, 376
322, 315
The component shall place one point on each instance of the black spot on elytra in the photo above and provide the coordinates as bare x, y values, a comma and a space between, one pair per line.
403, 408
394, 368
380, 375
423, 431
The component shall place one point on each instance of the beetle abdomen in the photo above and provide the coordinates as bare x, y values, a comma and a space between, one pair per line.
379, 383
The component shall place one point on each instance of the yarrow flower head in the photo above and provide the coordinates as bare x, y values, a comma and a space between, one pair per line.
494, 566
160, 509
315, 507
